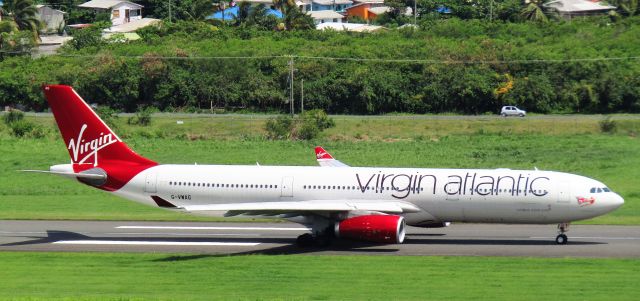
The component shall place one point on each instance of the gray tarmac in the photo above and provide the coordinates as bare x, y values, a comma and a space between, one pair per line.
279, 238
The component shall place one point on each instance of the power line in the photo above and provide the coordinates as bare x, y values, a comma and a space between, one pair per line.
177, 57
380, 60
532, 61
354, 59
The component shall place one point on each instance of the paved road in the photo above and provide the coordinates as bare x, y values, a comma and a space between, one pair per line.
380, 117
278, 238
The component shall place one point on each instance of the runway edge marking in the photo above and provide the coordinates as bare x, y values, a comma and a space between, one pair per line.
154, 243
213, 228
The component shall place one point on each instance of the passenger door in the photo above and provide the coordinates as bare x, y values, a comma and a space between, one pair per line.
287, 187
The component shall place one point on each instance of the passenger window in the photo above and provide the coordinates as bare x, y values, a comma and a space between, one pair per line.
606, 189
593, 190
599, 190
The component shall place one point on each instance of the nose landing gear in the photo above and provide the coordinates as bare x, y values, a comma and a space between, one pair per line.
562, 239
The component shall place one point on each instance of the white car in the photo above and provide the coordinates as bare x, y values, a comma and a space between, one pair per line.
512, 111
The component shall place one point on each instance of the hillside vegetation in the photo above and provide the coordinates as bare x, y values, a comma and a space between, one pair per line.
449, 65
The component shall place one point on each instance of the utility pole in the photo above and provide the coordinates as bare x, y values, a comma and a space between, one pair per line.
490, 10
302, 96
415, 12
291, 84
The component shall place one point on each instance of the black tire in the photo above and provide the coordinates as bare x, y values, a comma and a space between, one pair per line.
323, 241
561, 239
503, 115
305, 240
521, 115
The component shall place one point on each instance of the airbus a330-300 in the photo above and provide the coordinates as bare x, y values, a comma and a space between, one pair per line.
334, 200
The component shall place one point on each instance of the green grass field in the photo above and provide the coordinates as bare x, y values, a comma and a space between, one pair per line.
109, 276
570, 144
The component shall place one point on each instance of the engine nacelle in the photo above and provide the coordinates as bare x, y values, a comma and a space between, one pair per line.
374, 228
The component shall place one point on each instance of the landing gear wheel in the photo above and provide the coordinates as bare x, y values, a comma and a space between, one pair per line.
305, 240
323, 240
561, 239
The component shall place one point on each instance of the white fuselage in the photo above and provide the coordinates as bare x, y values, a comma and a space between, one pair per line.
443, 195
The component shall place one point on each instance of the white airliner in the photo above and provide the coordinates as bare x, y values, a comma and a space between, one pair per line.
363, 203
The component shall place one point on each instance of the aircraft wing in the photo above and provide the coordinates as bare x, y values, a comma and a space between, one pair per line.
274, 208
326, 160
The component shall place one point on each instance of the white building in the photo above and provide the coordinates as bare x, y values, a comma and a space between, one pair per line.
572, 8
354, 27
325, 16
121, 11
52, 19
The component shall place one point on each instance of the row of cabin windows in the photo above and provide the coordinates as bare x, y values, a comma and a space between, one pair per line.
345, 187
419, 189
220, 185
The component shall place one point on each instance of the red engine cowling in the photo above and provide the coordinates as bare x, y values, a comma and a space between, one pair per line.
374, 228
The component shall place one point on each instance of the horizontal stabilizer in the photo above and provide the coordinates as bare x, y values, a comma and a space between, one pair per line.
72, 174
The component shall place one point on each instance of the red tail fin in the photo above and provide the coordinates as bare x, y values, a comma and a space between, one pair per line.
90, 142
322, 154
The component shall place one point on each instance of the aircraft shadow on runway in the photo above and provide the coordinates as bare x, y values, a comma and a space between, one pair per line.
288, 246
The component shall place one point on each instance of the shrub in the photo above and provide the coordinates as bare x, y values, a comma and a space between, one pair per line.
279, 127
13, 116
319, 118
607, 125
306, 126
21, 128
142, 117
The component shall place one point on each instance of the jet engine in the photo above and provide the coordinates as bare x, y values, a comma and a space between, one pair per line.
374, 228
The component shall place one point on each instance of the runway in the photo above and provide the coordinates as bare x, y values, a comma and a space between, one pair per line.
279, 238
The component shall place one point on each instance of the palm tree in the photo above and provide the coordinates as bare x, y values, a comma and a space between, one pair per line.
23, 14
534, 11
244, 13
293, 18
628, 7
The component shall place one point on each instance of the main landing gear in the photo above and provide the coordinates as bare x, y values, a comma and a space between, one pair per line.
562, 239
320, 239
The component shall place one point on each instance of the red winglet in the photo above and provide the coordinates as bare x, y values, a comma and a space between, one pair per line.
322, 154
90, 142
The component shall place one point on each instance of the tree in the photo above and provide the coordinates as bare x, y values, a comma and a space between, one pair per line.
244, 9
628, 7
23, 14
534, 11
181, 9
294, 19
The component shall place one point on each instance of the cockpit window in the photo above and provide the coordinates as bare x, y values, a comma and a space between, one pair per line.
600, 190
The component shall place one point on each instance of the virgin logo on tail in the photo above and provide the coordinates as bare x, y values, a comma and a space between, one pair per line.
321, 155
82, 150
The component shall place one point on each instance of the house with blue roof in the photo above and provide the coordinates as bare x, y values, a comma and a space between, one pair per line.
231, 12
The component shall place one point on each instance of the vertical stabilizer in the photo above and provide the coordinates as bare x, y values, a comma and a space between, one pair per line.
90, 142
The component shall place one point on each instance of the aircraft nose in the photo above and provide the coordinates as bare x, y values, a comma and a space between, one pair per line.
614, 202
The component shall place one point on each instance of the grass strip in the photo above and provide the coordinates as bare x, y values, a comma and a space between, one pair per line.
119, 276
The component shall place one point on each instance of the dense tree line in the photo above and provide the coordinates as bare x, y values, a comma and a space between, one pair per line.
463, 66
